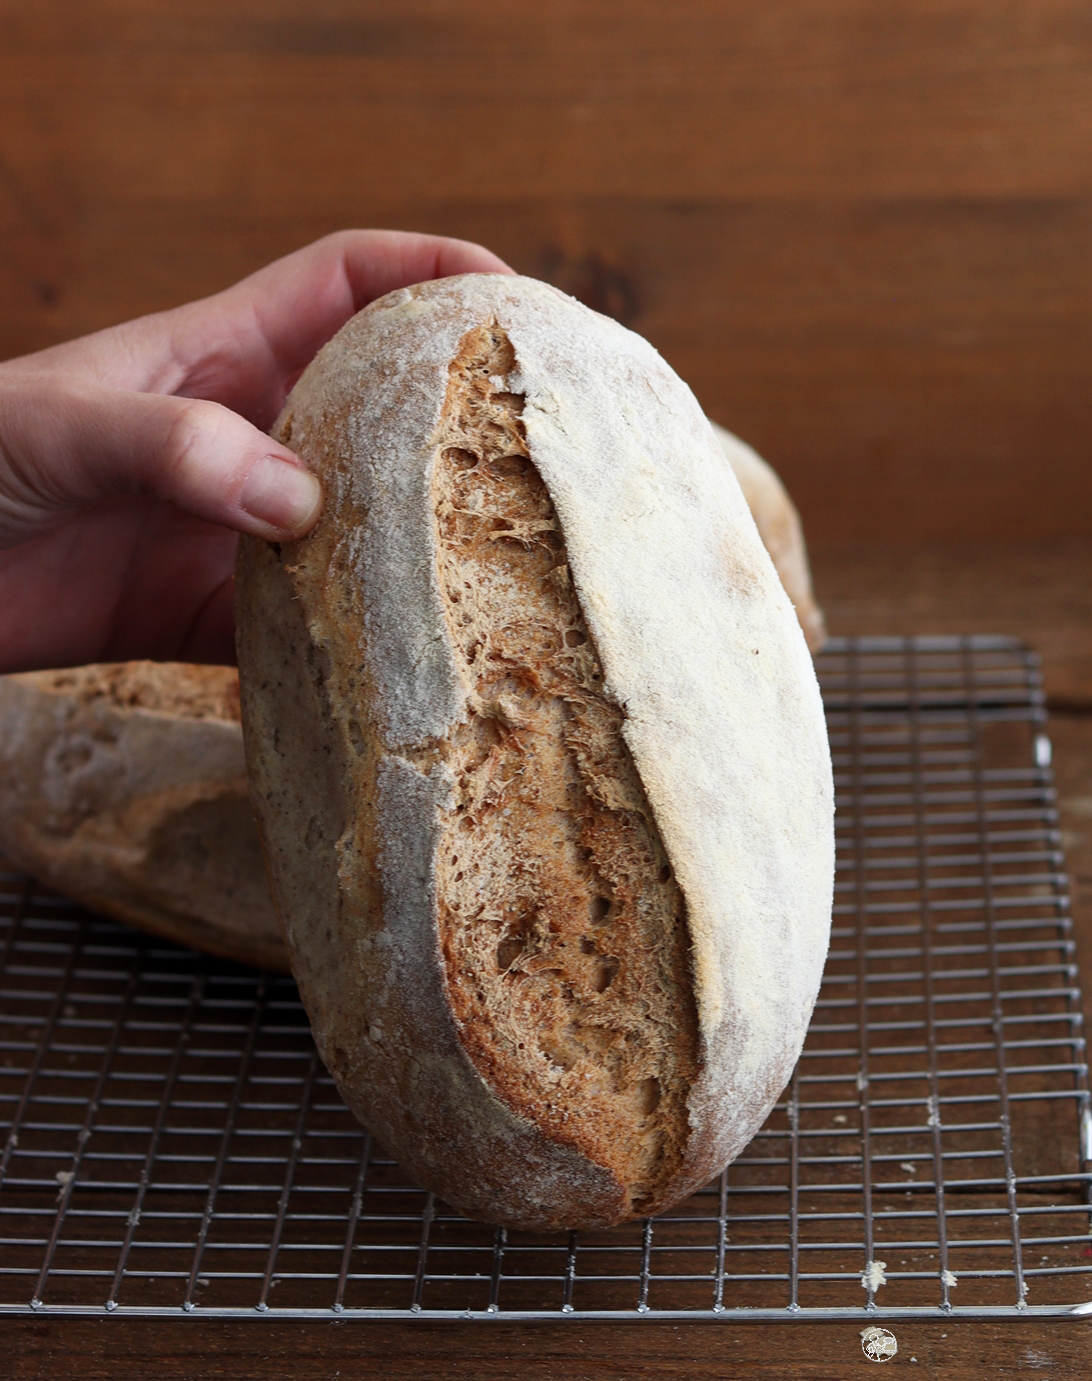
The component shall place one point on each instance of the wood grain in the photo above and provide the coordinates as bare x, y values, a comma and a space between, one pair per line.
184, 1351
859, 231
1038, 591
794, 98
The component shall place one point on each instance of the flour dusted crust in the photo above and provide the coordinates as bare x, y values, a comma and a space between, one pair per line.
539, 759
124, 787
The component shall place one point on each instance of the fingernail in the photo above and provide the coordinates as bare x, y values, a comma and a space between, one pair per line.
281, 495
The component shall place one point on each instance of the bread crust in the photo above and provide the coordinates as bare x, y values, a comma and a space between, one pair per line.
124, 787
780, 528
353, 687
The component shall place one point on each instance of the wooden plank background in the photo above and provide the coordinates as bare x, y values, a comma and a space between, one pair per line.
862, 231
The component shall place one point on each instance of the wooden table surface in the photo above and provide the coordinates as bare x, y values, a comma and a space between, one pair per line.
1042, 593
103, 1351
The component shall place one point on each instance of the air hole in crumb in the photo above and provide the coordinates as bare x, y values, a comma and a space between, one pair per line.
665, 873
648, 1095
510, 465
607, 973
600, 909
501, 525
587, 946
514, 402
574, 638
508, 951
463, 460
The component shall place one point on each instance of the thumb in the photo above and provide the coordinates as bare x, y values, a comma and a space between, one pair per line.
66, 443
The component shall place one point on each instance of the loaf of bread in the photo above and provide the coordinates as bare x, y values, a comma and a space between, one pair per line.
124, 787
538, 758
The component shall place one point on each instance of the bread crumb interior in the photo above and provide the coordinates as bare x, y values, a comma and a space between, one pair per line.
563, 930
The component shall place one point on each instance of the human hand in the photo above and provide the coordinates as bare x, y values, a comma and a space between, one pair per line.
130, 459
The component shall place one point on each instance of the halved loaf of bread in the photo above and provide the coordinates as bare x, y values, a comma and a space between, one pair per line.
538, 757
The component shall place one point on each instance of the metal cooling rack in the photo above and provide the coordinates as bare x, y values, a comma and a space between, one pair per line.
174, 1146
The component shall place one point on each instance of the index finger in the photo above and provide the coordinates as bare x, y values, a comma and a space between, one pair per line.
245, 346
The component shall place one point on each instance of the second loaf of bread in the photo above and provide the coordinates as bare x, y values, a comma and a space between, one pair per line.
538, 757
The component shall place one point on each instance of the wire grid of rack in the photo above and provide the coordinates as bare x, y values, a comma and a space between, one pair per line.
172, 1144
